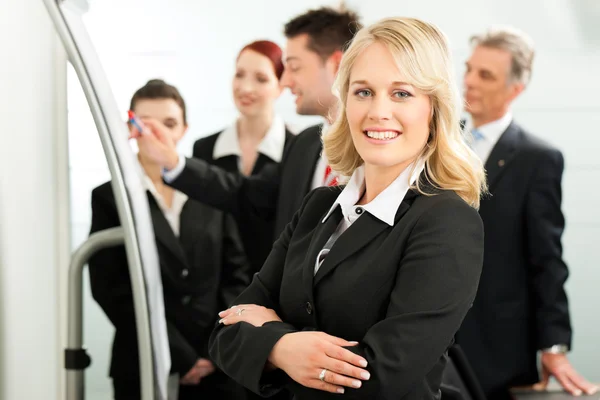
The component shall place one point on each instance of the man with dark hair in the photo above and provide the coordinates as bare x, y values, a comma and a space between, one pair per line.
327, 29
315, 43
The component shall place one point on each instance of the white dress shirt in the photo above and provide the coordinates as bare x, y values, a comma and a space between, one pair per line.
172, 214
490, 133
383, 207
321, 166
271, 145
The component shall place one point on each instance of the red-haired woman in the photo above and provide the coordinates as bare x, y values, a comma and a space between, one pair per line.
256, 138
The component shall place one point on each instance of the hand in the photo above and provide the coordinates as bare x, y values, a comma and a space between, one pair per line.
558, 365
157, 143
201, 369
251, 313
303, 355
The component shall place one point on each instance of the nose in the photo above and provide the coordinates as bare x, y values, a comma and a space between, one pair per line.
469, 79
286, 79
245, 86
380, 109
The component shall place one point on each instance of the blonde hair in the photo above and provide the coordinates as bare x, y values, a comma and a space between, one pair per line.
517, 43
421, 52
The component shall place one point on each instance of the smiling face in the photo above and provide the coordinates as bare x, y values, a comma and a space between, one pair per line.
255, 85
388, 118
308, 77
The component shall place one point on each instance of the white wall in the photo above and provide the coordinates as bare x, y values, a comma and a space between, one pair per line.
32, 201
194, 48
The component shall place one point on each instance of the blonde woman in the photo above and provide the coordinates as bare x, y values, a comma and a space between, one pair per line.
364, 291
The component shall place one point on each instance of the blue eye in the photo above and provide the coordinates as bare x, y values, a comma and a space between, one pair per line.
363, 93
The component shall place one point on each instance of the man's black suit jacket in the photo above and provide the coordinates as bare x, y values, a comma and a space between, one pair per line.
521, 305
401, 291
274, 194
256, 232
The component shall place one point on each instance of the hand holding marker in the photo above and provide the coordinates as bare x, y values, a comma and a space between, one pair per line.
137, 124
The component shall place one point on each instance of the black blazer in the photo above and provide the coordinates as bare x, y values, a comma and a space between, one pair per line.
521, 305
257, 233
202, 273
274, 194
401, 291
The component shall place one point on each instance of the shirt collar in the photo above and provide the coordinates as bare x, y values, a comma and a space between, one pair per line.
383, 207
179, 198
493, 130
272, 145
324, 128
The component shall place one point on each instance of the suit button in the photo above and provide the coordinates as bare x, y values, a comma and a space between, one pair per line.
185, 300
309, 308
359, 210
184, 273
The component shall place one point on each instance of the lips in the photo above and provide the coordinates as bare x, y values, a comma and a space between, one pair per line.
245, 101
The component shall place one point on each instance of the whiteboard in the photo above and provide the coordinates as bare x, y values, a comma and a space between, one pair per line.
132, 202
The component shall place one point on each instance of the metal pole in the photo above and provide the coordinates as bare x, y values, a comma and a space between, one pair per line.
61, 12
76, 359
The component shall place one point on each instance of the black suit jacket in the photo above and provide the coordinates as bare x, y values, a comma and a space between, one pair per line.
274, 194
202, 271
401, 291
521, 305
256, 232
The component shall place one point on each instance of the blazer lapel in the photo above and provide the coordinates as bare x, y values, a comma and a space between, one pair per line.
261, 161
359, 234
163, 232
319, 239
362, 232
502, 153
410, 196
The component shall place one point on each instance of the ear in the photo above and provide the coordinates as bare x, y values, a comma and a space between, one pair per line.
334, 60
515, 90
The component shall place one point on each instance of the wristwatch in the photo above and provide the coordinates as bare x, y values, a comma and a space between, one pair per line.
557, 349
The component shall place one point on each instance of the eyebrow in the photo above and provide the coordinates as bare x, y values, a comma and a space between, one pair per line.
481, 69
291, 58
364, 82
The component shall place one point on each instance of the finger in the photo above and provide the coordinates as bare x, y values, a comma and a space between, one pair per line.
338, 341
155, 127
133, 132
339, 353
203, 362
235, 309
341, 380
566, 383
238, 311
234, 319
581, 383
543, 384
346, 369
185, 380
325, 386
